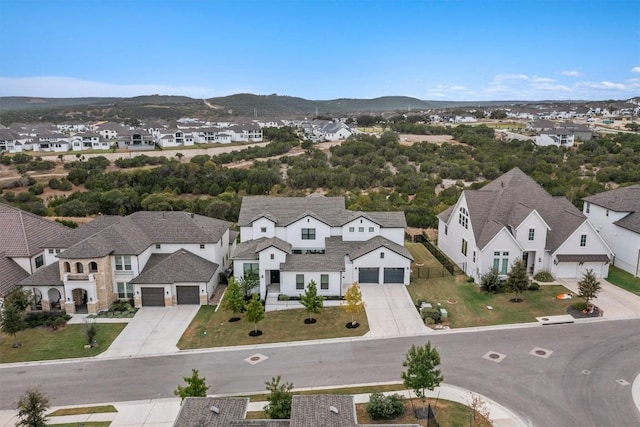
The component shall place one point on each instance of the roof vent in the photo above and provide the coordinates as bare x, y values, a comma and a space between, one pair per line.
215, 409
333, 409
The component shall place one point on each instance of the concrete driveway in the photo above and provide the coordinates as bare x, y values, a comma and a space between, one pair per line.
390, 311
153, 331
615, 302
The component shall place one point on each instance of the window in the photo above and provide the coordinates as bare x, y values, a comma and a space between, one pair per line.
381, 254
464, 247
324, 281
360, 229
607, 213
505, 263
201, 245
501, 265
39, 261
67, 267
370, 229
463, 217
93, 267
263, 229
51, 251
583, 240
299, 281
272, 256
79, 267
532, 234
352, 229
474, 256
308, 234
125, 290
123, 263
249, 268
158, 245
57, 251
587, 207
446, 229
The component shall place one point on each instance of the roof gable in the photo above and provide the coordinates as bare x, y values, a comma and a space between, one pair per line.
180, 266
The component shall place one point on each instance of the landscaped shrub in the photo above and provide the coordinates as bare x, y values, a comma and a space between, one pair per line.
431, 313
34, 319
491, 282
543, 276
534, 286
381, 407
580, 306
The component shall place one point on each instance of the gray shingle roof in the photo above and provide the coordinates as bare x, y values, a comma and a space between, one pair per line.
508, 200
45, 276
76, 235
378, 242
180, 266
10, 274
196, 411
626, 199
251, 248
331, 210
136, 232
316, 410
23, 234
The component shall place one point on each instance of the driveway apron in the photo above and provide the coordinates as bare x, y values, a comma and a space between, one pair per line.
390, 311
615, 302
153, 330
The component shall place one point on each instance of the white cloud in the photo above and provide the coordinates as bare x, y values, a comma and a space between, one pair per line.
537, 79
635, 70
69, 87
506, 77
571, 73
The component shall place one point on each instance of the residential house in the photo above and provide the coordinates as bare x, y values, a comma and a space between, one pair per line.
110, 130
320, 410
175, 138
512, 218
13, 142
289, 241
22, 239
336, 131
616, 216
138, 139
154, 258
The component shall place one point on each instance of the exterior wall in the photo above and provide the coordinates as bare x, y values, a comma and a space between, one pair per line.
294, 233
51, 258
360, 224
396, 235
536, 246
450, 242
255, 232
25, 263
391, 259
624, 243
502, 242
288, 282
594, 245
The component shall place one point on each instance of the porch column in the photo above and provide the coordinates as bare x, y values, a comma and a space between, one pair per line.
46, 305
70, 307
92, 307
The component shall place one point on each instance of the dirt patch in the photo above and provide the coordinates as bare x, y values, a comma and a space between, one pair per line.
408, 139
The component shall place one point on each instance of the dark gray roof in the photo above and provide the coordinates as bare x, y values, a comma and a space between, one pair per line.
330, 210
260, 423
197, 411
11, 274
317, 410
180, 266
251, 248
23, 234
378, 242
233, 235
508, 200
76, 235
583, 258
625, 199
45, 276
136, 232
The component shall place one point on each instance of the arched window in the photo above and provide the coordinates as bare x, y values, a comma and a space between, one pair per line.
93, 267
67, 267
79, 267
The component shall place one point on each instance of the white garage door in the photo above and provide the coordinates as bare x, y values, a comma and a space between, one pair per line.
566, 270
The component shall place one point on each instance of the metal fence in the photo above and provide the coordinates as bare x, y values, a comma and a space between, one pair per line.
447, 264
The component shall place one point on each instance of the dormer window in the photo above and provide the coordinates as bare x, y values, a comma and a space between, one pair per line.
263, 229
308, 234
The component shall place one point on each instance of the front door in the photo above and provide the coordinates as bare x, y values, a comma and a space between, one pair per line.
274, 276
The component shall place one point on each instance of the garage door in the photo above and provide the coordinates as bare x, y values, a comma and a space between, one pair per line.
152, 297
188, 294
369, 275
394, 275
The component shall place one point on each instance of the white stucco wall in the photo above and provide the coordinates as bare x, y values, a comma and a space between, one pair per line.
294, 233
391, 260
594, 246
502, 242
451, 241
288, 282
363, 229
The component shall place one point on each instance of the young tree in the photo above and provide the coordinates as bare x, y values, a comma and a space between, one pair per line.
32, 407
589, 286
311, 301
491, 282
11, 322
518, 280
248, 282
279, 406
19, 298
233, 300
353, 301
255, 312
196, 387
422, 370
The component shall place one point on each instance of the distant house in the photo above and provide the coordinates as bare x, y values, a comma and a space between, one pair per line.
154, 258
562, 134
289, 241
512, 218
616, 216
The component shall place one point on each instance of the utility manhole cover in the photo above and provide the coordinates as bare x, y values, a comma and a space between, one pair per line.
541, 352
622, 382
586, 372
494, 356
255, 359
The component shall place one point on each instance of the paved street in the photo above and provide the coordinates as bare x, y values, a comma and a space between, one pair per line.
559, 375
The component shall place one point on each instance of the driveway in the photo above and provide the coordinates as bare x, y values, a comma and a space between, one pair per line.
153, 331
614, 301
390, 311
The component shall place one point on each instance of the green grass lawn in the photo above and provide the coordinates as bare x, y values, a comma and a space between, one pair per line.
82, 424
277, 326
101, 409
624, 280
65, 343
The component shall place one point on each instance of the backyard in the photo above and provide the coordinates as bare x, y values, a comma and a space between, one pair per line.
466, 304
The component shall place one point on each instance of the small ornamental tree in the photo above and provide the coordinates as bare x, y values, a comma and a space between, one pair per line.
19, 298
589, 286
422, 372
196, 387
248, 282
233, 300
254, 312
279, 406
353, 301
311, 301
517, 279
11, 322
32, 407
491, 281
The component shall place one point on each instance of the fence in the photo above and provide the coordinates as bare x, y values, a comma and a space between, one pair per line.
447, 264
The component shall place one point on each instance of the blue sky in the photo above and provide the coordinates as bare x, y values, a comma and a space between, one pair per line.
322, 49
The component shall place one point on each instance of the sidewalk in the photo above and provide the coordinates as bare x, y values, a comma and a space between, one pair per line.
163, 412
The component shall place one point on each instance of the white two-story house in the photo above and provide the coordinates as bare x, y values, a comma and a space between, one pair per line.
153, 258
289, 241
616, 216
512, 218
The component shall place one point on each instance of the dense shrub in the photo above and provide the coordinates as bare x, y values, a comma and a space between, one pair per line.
34, 319
534, 286
580, 306
491, 282
431, 313
543, 276
381, 407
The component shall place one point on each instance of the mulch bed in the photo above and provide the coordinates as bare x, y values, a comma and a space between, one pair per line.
577, 314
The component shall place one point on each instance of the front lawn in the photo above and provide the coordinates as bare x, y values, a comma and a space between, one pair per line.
45, 344
624, 280
212, 329
467, 305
